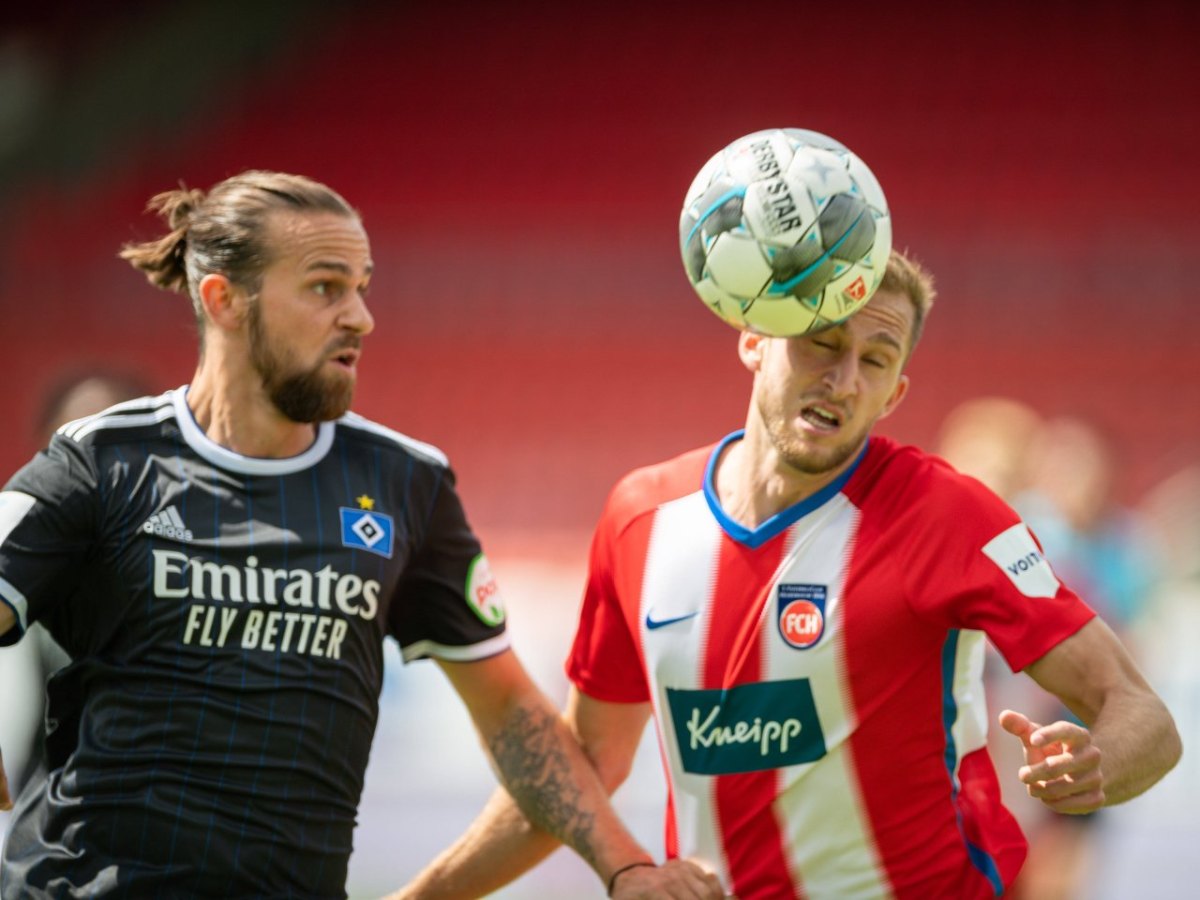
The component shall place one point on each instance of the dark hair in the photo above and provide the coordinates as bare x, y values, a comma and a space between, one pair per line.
224, 231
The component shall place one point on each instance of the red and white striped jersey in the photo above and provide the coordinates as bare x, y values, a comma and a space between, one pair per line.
816, 682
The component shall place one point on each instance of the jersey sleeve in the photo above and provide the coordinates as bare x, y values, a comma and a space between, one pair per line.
983, 569
604, 662
49, 513
447, 604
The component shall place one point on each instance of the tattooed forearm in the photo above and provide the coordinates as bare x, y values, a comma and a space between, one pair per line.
529, 754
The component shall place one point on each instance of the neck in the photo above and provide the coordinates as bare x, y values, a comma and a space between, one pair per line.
231, 406
754, 483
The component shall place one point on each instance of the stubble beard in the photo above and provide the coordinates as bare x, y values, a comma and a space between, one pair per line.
793, 449
307, 396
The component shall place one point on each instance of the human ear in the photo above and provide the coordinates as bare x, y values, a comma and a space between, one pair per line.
221, 301
898, 394
751, 349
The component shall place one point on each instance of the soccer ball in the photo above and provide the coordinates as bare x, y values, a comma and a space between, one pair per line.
784, 232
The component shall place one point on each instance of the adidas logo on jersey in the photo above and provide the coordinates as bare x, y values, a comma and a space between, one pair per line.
167, 524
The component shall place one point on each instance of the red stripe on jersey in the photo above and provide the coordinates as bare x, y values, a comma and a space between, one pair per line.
899, 704
753, 842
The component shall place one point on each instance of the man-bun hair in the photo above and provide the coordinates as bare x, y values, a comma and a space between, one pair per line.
224, 231
164, 261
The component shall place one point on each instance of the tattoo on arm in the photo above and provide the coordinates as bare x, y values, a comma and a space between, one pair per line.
537, 773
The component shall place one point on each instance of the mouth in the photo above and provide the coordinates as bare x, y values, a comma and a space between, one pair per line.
823, 417
346, 358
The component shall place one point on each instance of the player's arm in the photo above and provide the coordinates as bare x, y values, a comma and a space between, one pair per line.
556, 784
1129, 741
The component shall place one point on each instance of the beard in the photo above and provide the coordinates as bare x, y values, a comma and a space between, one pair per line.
798, 453
305, 395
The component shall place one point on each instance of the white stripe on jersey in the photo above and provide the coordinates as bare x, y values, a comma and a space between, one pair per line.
676, 584
818, 809
969, 732
452, 653
118, 416
354, 420
13, 507
825, 836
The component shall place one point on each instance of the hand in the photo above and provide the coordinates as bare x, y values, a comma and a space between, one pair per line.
1062, 765
680, 879
5, 797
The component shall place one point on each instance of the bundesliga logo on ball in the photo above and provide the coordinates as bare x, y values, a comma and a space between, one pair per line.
784, 232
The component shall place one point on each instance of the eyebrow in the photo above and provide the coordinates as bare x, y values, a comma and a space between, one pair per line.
884, 337
338, 267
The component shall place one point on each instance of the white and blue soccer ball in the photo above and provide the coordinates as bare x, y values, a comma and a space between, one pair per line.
785, 232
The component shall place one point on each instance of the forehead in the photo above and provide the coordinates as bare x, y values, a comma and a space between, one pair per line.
307, 240
887, 317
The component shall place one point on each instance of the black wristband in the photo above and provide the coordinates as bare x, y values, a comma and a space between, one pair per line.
612, 880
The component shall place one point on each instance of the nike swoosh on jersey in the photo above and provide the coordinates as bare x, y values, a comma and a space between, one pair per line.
660, 623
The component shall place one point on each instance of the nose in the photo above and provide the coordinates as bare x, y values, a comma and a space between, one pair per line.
842, 376
357, 317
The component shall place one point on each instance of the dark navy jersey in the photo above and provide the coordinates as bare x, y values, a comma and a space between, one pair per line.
225, 616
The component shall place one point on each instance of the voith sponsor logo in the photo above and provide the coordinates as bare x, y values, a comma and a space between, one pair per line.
168, 524
1017, 554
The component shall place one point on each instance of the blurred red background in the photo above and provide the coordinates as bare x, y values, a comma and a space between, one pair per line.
520, 168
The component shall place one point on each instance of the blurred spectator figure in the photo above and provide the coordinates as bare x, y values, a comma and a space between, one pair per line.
1070, 502
82, 393
33, 660
1059, 476
988, 438
1071, 505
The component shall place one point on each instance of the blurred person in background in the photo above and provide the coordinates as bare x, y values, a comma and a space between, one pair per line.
801, 608
1070, 502
222, 563
25, 667
988, 438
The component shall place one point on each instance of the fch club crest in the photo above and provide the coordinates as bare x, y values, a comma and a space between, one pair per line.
801, 614
365, 529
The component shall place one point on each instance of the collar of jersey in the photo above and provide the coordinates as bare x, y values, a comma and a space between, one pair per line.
227, 459
756, 537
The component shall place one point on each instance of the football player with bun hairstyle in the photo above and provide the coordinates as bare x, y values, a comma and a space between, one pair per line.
222, 563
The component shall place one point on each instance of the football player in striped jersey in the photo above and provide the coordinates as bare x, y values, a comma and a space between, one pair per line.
801, 610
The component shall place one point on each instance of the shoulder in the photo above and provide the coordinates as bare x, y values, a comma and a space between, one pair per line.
909, 474
645, 489
903, 477
132, 420
358, 428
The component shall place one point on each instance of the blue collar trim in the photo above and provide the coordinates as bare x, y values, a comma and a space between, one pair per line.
782, 520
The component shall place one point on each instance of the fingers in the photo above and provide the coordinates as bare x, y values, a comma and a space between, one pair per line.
1017, 724
1063, 769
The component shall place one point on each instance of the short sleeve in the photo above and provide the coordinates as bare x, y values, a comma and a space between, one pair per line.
983, 569
604, 662
447, 604
49, 513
